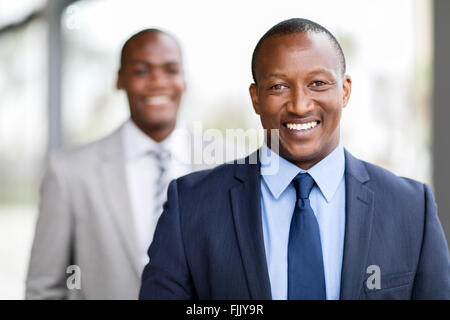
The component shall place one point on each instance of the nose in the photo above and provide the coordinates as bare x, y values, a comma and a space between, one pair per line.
156, 79
300, 102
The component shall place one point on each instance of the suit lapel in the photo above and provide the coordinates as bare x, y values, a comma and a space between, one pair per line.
246, 206
113, 177
358, 225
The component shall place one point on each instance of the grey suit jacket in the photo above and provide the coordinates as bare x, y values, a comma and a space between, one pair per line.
85, 220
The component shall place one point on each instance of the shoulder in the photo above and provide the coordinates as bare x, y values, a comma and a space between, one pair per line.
387, 181
397, 197
216, 183
400, 205
220, 175
77, 159
380, 179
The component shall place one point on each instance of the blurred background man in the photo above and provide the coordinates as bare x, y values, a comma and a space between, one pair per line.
100, 203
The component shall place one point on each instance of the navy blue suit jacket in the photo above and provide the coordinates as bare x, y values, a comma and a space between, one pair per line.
209, 242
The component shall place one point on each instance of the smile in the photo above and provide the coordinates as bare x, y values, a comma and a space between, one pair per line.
157, 100
302, 126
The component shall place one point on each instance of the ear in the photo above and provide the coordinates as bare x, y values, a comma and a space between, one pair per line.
119, 84
347, 89
254, 96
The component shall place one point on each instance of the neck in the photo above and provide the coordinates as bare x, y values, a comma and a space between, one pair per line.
157, 134
308, 162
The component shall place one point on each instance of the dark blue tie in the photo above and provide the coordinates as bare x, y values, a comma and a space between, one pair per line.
306, 280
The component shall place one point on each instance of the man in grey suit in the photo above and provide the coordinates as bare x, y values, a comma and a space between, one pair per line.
100, 203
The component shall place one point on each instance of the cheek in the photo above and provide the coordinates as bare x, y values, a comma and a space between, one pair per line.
271, 109
179, 85
270, 119
331, 122
332, 108
135, 87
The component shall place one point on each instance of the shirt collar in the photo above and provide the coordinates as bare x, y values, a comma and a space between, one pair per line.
179, 144
327, 173
137, 143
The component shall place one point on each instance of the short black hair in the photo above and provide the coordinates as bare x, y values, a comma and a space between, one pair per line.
139, 34
293, 26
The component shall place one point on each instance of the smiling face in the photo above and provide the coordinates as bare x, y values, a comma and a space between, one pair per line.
301, 91
152, 76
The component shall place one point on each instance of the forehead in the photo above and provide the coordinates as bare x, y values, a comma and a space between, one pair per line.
299, 52
155, 48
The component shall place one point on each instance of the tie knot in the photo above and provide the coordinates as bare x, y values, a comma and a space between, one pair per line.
160, 155
303, 184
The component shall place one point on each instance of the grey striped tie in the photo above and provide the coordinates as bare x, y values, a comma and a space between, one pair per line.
162, 158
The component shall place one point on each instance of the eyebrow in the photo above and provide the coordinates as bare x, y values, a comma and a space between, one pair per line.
277, 75
313, 72
152, 64
320, 70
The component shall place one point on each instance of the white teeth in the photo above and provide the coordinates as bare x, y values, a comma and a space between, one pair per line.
158, 100
301, 126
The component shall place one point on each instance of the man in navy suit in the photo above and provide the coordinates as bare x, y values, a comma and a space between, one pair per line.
324, 225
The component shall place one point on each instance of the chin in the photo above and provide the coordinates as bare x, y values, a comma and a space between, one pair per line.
160, 124
159, 118
302, 157
300, 154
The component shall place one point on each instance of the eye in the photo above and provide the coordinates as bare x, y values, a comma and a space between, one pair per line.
318, 83
140, 72
277, 87
172, 70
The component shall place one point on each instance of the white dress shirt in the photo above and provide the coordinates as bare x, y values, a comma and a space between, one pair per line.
142, 174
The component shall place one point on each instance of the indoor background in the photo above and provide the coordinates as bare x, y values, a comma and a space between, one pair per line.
59, 59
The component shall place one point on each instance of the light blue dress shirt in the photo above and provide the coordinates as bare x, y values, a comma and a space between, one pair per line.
277, 206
